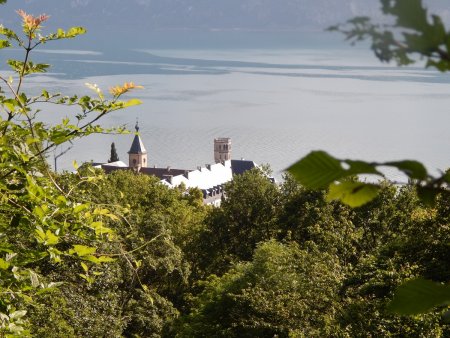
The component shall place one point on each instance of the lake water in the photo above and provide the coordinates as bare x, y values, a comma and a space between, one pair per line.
276, 101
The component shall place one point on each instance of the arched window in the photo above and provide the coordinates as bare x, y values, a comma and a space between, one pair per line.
134, 161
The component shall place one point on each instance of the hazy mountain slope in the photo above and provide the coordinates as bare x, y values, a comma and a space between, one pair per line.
211, 14
204, 14
126, 20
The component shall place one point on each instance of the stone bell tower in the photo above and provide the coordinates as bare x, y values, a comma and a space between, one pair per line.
222, 149
137, 155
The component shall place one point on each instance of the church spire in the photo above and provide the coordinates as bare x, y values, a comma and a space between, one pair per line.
137, 125
137, 154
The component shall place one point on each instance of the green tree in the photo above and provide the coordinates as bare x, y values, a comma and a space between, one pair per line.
248, 212
144, 287
419, 247
306, 217
284, 291
40, 221
113, 157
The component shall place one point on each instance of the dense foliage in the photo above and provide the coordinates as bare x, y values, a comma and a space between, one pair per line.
91, 255
301, 267
43, 225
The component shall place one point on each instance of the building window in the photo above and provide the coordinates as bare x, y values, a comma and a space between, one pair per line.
134, 161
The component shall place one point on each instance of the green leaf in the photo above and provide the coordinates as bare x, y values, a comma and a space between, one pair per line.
84, 266
39, 212
82, 250
10, 34
71, 33
409, 13
10, 104
27, 68
80, 208
98, 260
4, 44
88, 279
361, 167
3, 264
100, 229
41, 234
427, 195
51, 238
419, 296
317, 170
17, 314
413, 169
105, 259
353, 194
132, 102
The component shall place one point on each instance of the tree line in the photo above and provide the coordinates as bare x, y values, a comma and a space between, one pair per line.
271, 261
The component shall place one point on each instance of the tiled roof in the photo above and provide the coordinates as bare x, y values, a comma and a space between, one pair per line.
163, 172
241, 166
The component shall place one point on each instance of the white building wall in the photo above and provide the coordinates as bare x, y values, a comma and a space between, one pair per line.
205, 178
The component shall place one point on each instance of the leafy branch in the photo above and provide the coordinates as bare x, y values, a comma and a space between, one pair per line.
39, 219
319, 170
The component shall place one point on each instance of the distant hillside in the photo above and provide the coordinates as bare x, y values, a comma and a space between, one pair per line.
133, 18
197, 14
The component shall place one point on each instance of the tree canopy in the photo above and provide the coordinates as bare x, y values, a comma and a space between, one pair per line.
86, 254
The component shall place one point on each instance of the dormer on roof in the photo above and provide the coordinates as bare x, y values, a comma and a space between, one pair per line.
137, 154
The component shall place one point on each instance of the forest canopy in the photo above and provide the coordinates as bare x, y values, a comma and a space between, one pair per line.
86, 254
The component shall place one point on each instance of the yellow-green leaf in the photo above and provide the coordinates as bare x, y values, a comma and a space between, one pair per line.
353, 194
132, 102
4, 264
82, 250
51, 238
84, 266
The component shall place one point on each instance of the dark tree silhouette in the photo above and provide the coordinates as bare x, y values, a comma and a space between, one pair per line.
114, 157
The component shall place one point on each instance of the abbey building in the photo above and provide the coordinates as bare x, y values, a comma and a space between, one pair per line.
209, 179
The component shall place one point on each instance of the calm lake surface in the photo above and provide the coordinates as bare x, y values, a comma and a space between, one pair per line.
277, 98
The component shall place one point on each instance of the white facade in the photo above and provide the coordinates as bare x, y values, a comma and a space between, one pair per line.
204, 177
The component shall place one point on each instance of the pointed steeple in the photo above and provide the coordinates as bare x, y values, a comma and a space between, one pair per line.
137, 147
137, 154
